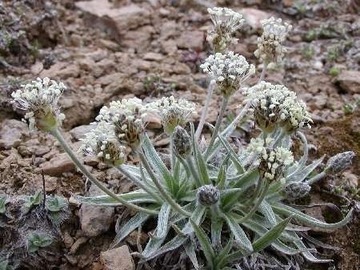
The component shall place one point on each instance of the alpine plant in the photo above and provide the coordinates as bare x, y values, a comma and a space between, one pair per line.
217, 213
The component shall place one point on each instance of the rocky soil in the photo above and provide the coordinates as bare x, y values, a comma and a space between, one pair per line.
107, 50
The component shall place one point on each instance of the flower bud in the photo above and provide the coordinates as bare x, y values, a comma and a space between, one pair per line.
182, 142
295, 190
208, 195
339, 162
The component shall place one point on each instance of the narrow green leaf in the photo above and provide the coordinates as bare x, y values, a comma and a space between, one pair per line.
196, 217
152, 246
201, 165
216, 231
156, 163
308, 255
205, 244
242, 240
234, 156
285, 249
220, 260
163, 221
310, 221
266, 209
137, 196
271, 235
128, 227
173, 244
190, 252
301, 174
246, 180
3, 199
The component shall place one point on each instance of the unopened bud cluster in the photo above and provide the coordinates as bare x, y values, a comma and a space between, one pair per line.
270, 48
228, 71
339, 162
182, 142
208, 195
40, 99
226, 22
296, 190
275, 105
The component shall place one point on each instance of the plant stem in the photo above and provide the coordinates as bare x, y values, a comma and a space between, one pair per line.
218, 123
204, 112
56, 133
231, 127
316, 178
262, 75
161, 189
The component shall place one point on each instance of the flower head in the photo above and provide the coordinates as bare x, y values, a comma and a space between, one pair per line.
228, 71
127, 116
339, 162
296, 190
273, 162
173, 112
208, 195
270, 48
40, 99
102, 143
182, 142
226, 22
276, 105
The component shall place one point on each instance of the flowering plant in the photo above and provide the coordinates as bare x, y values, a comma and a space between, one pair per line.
220, 204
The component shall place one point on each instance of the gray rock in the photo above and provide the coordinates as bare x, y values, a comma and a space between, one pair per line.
116, 20
117, 259
79, 132
58, 165
11, 133
192, 40
95, 220
349, 81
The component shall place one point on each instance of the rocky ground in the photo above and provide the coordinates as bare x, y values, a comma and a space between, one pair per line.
107, 50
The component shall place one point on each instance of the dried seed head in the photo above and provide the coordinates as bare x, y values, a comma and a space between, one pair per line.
295, 190
173, 112
102, 143
228, 71
182, 142
226, 22
339, 162
208, 195
40, 99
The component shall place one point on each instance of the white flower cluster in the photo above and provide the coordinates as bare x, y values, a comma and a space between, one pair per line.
228, 70
127, 116
40, 99
173, 112
274, 161
270, 47
226, 22
101, 142
276, 105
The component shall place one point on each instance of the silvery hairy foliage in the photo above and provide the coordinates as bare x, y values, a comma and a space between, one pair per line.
217, 213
